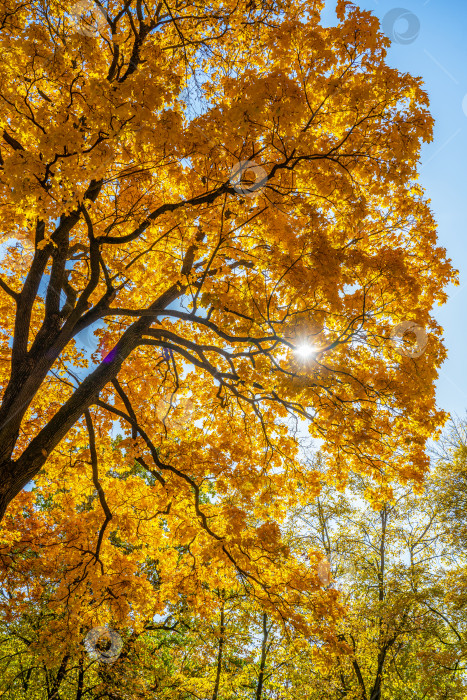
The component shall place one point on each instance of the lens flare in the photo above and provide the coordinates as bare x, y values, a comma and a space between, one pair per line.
305, 350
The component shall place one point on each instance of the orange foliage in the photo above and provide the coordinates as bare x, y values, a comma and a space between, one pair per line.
117, 153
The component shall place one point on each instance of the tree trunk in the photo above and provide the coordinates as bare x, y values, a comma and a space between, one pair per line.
264, 651
219, 653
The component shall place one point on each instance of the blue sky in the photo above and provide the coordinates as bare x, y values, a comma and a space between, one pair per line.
429, 40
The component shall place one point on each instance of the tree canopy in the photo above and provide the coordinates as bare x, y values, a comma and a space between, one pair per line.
223, 199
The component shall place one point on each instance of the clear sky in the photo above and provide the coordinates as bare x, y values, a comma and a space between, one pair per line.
429, 39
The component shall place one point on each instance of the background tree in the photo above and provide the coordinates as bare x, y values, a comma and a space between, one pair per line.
403, 624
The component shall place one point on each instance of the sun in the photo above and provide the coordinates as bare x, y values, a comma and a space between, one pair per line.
305, 350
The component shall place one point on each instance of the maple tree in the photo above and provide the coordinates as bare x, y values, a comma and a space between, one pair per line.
179, 638
129, 215
402, 630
